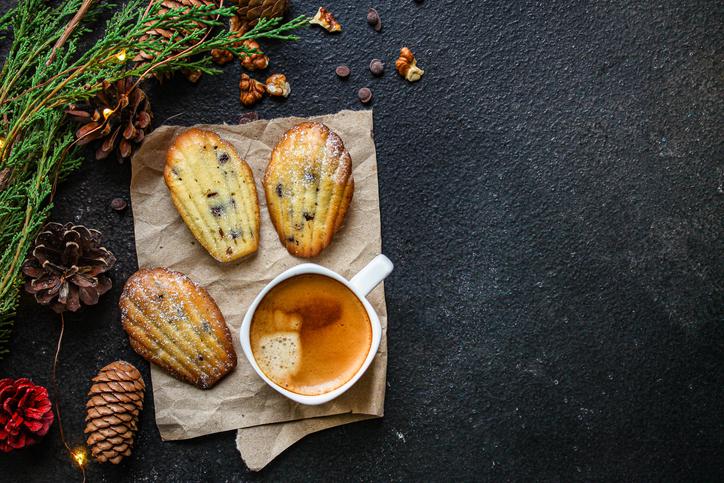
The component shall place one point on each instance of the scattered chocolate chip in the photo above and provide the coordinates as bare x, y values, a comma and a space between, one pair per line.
365, 95
221, 232
223, 157
212, 194
229, 251
235, 234
118, 204
373, 18
217, 210
279, 190
308, 216
249, 117
309, 175
291, 239
342, 71
377, 67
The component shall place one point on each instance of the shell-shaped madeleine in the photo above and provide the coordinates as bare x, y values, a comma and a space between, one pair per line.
214, 192
308, 185
175, 324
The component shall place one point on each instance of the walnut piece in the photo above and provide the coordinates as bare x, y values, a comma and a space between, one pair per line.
277, 86
407, 67
251, 90
256, 60
326, 20
221, 57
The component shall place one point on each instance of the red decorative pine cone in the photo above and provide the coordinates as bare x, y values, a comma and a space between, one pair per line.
25, 413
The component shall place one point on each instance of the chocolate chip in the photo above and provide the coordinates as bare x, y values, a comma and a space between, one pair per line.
377, 67
373, 18
223, 158
217, 210
212, 194
118, 204
221, 232
248, 117
342, 71
229, 251
365, 95
279, 190
309, 175
291, 239
235, 234
308, 216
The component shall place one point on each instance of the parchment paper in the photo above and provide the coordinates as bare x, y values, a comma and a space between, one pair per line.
269, 422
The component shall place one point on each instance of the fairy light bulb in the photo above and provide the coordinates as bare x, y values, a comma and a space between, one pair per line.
107, 112
79, 456
121, 56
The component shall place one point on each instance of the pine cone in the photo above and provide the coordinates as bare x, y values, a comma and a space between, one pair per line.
165, 35
25, 413
66, 266
119, 115
115, 401
250, 11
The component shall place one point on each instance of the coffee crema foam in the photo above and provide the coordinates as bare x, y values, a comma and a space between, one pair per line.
310, 334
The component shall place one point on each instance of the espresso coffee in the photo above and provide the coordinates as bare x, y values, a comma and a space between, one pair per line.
310, 334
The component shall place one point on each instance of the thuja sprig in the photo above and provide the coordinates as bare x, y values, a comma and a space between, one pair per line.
45, 71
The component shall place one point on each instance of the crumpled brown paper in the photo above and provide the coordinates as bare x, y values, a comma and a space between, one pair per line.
268, 422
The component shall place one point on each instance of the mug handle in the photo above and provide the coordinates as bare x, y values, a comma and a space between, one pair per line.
372, 274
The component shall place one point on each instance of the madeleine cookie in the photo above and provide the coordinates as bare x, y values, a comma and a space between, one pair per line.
308, 185
175, 324
214, 192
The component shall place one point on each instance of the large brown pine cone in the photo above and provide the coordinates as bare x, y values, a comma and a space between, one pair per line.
118, 117
66, 267
250, 11
114, 402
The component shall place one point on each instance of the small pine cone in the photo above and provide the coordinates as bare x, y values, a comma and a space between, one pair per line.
67, 267
115, 401
249, 12
116, 119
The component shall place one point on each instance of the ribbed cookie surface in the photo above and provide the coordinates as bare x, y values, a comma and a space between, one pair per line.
175, 324
214, 192
308, 185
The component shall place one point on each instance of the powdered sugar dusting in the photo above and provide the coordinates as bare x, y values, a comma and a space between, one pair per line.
170, 324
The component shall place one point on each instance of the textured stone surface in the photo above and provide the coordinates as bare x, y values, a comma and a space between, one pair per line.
552, 195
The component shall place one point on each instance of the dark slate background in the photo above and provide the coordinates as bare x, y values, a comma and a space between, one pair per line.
551, 195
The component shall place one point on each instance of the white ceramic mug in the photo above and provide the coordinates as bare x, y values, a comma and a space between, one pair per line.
361, 284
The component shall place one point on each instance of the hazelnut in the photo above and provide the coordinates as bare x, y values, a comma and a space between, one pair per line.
326, 20
251, 90
407, 67
277, 86
221, 57
254, 59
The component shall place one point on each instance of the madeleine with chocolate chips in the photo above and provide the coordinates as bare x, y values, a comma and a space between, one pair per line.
308, 185
214, 192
